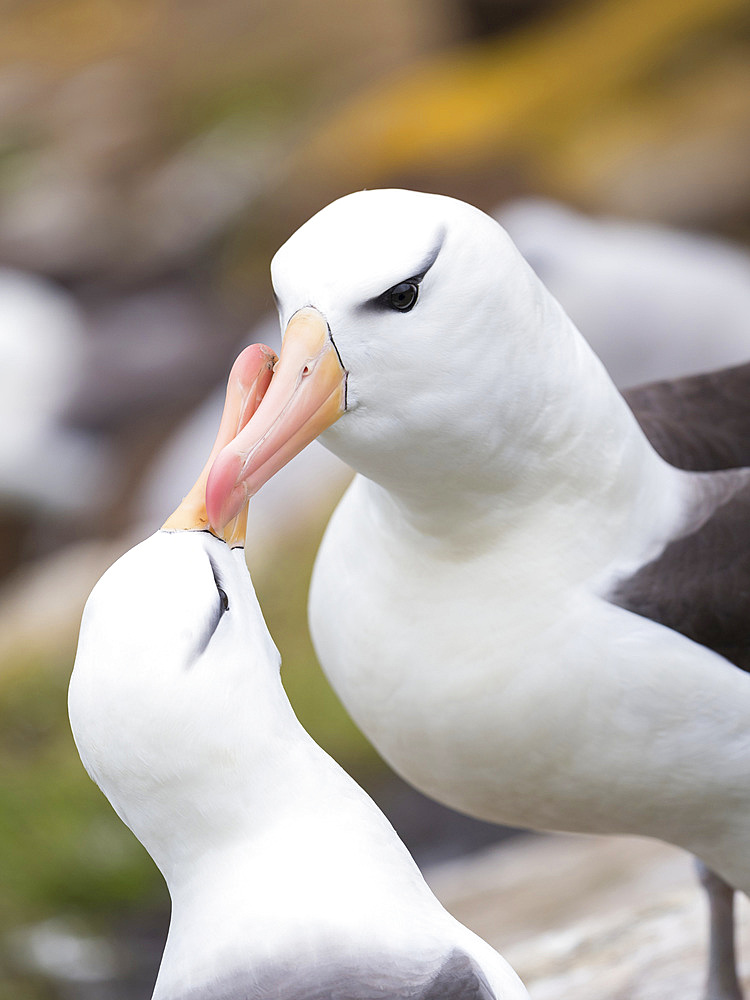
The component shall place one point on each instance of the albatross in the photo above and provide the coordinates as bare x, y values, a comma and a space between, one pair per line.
533, 598
286, 880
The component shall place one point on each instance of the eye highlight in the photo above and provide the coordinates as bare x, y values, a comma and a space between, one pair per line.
403, 296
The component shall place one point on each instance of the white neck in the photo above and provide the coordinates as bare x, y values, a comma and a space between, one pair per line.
567, 453
309, 851
216, 807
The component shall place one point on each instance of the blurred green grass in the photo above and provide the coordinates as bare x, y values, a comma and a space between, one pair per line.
62, 848
283, 597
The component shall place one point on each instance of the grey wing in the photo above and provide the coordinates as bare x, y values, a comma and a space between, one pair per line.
700, 423
457, 977
700, 584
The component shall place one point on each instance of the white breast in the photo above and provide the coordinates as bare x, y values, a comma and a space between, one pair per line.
522, 703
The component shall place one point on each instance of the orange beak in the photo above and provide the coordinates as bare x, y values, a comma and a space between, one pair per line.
306, 395
248, 381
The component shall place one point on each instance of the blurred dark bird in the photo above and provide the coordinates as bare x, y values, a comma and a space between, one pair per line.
537, 615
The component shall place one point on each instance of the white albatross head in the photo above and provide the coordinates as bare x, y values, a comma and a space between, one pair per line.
418, 342
176, 696
171, 638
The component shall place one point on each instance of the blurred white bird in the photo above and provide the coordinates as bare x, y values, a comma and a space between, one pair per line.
44, 463
653, 302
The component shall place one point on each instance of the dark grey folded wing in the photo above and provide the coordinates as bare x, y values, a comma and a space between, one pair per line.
459, 978
700, 584
701, 422
456, 978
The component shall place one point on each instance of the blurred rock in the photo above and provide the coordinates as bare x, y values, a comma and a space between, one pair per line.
130, 140
59, 224
195, 196
66, 213
42, 601
69, 960
591, 918
58, 949
153, 353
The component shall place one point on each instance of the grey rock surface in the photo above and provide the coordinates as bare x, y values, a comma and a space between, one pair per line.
594, 918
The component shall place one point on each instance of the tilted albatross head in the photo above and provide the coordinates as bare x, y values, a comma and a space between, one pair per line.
285, 878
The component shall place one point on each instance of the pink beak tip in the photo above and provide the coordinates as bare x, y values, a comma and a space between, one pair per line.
224, 494
254, 367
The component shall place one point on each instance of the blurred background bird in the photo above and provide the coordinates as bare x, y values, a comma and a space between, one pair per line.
153, 156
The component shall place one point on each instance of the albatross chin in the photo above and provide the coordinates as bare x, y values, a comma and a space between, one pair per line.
533, 604
286, 880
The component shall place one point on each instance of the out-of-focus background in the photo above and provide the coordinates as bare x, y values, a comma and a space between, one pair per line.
153, 155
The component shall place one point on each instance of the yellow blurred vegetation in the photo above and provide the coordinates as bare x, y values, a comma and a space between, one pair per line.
570, 101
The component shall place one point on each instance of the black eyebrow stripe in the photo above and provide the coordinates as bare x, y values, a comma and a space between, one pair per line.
422, 269
207, 635
214, 571
430, 259
213, 622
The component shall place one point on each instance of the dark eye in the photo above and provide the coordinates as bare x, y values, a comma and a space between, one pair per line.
223, 599
403, 296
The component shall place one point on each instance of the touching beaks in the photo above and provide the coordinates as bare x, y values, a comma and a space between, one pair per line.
306, 395
248, 381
